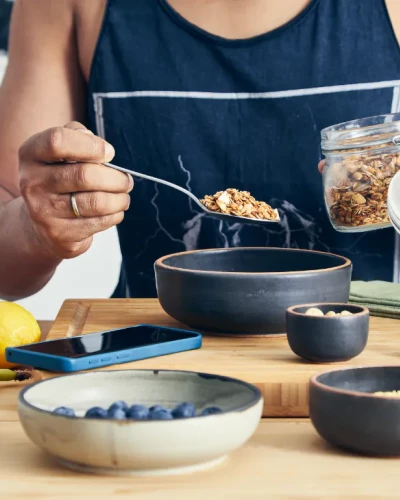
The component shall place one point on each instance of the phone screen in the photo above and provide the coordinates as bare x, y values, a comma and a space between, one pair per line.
107, 342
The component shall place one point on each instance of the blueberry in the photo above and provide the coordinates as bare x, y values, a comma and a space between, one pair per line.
116, 413
155, 408
63, 410
96, 412
120, 405
161, 414
212, 410
138, 412
158, 412
184, 410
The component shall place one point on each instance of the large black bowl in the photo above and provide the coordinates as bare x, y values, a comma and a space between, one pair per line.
247, 290
346, 412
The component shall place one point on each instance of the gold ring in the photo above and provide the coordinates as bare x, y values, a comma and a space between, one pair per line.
75, 206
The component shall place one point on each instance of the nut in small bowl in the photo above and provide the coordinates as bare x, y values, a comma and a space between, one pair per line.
327, 333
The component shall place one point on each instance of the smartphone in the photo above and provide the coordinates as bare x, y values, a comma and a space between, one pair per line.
111, 347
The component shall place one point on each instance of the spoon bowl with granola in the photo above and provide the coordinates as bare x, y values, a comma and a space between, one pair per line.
227, 205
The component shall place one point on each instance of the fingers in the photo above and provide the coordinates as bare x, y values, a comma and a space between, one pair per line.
92, 204
321, 165
72, 237
80, 229
78, 126
82, 177
64, 160
61, 144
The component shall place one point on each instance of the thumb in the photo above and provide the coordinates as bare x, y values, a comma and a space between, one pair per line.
78, 126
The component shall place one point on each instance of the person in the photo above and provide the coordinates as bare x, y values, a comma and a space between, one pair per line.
208, 94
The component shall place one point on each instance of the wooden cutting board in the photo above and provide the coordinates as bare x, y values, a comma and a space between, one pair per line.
266, 362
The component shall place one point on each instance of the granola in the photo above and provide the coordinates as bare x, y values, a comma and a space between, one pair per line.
239, 203
357, 188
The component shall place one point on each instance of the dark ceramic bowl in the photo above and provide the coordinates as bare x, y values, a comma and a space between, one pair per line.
327, 339
247, 290
347, 414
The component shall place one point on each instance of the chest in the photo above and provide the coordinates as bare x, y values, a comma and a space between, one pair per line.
175, 103
237, 19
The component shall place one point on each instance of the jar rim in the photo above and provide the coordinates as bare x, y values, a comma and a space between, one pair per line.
370, 131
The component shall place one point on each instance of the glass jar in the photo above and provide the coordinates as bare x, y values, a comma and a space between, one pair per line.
362, 157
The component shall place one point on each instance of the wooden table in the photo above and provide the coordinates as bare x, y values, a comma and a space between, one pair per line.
285, 459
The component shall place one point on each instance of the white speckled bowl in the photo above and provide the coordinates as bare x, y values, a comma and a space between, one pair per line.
140, 447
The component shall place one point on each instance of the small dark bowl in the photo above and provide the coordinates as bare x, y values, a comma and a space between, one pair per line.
247, 290
327, 339
346, 413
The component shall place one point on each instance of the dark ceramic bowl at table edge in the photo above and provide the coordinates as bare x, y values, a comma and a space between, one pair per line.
346, 413
247, 290
327, 339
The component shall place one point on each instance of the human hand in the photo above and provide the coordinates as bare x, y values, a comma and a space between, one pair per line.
62, 161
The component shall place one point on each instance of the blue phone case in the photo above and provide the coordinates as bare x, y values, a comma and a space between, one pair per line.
63, 364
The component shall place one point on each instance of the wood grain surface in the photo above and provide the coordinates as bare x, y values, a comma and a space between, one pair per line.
266, 362
283, 460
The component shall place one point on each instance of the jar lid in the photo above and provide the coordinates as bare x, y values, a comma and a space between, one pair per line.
381, 130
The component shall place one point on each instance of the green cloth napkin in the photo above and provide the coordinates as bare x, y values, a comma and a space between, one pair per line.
382, 298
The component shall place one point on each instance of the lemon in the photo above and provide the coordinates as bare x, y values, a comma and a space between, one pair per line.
17, 327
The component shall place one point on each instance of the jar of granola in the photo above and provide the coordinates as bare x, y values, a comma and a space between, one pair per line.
362, 156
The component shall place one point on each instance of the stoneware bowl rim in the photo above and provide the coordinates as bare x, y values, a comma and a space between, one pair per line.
351, 392
256, 392
160, 262
363, 311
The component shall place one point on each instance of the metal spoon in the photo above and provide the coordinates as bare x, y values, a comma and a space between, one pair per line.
218, 215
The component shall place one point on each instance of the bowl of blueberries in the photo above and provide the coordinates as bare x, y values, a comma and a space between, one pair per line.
144, 422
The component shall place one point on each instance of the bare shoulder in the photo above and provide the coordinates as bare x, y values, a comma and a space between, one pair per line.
63, 17
393, 7
59, 12
41, 26
43, 84
89, 16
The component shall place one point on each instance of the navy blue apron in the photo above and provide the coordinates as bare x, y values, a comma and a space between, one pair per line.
209, 113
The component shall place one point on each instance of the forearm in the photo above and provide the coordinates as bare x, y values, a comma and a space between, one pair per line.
25, 267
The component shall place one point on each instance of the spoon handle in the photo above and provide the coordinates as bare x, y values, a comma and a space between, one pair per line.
156, 179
